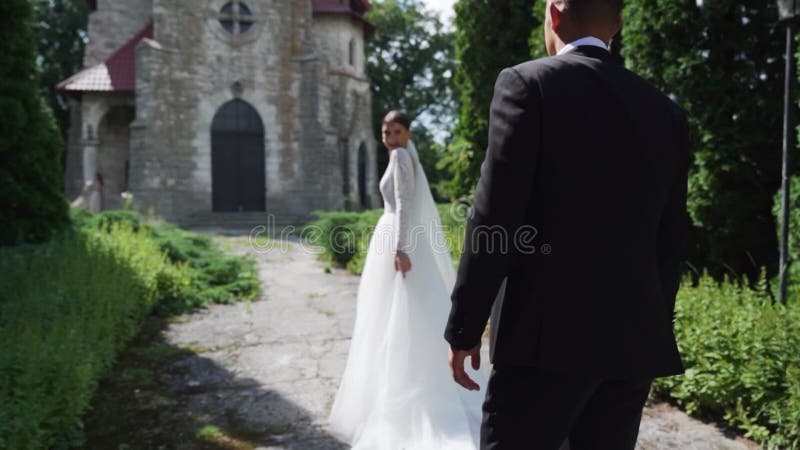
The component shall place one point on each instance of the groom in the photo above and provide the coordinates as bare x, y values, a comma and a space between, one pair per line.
591, 162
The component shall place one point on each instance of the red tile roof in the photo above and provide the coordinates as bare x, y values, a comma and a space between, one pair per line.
116, 74
365, 3
355, 8
92, 4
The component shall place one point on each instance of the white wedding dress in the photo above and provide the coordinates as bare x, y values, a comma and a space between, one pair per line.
397, 391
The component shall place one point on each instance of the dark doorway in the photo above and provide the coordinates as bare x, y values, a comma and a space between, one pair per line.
238, 181
113, 157
363, 198
344, 153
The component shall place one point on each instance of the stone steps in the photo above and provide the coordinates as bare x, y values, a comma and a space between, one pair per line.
239, 221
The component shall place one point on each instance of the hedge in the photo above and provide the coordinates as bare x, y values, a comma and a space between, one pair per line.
216, 277
344, 236
66, 308
742, 355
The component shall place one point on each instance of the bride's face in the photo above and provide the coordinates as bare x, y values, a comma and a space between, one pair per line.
395, 135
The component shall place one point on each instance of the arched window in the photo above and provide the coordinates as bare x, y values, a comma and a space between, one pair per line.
363, 197
351, 52
344, 160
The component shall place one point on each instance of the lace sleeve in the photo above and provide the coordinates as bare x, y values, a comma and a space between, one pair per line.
403, 195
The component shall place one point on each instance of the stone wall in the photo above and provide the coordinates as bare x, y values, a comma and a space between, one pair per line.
84, 144
193, 68
112, 25
348, 110
109, 27
291, 67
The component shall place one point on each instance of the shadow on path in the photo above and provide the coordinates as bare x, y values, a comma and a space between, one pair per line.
159, 396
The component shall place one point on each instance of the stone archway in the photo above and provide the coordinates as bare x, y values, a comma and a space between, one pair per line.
238, 179
113, 156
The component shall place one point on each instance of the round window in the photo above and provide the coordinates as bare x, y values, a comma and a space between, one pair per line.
236, 18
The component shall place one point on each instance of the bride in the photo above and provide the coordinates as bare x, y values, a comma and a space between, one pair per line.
397, 391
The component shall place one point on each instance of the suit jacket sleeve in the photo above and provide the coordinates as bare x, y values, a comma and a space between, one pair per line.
673, 228
499, 208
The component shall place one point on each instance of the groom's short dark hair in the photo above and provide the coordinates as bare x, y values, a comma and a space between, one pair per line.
588, 11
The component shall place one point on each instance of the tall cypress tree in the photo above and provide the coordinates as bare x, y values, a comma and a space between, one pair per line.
32, 204
721, 61
490, 35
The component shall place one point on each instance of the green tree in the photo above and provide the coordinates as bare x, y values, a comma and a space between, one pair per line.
490, 35
721, 61
60, 34
32, 205
410, 63
536, 41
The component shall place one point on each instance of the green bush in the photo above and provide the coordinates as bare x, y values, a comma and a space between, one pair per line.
454, 225
105, 220
742, 357
66, 308
793, 278
344, 236
216, 277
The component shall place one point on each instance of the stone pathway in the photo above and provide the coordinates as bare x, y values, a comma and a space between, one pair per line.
262, 375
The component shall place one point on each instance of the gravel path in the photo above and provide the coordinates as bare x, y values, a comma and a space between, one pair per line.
262, 375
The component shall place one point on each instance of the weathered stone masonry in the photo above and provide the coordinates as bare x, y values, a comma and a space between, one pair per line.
158, 74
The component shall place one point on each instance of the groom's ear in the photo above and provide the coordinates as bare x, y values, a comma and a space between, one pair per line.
618, 25
555, 16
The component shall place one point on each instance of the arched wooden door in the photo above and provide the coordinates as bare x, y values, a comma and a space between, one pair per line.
238, 181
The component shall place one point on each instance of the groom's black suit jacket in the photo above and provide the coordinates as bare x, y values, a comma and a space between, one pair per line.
596, 160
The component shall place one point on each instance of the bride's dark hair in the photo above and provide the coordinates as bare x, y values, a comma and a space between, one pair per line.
399, 117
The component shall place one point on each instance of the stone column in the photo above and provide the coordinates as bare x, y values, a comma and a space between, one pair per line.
89, 160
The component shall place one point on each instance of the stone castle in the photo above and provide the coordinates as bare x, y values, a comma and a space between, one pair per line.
214, 109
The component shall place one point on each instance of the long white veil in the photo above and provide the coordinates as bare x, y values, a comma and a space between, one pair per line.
426, 224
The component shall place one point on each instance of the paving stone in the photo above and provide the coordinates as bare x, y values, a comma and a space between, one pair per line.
267, 372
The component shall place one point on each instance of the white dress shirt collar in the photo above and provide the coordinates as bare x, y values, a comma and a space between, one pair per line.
588, 40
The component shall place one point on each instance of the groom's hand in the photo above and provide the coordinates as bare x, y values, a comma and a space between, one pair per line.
457, 358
